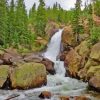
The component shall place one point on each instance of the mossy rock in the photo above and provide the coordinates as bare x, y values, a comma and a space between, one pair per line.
28, 75
95, 52
93, 71
4, 70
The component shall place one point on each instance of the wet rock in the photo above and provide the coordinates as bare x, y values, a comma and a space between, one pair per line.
28, 75
49, 65
51, 29
67, 36
33, 58
95, 52
94, 82
81, 98
11, 56
4, 71
62, 55
64, 98
73, 61
45, 94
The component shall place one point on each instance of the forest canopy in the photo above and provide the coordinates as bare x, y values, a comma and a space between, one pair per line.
18, 28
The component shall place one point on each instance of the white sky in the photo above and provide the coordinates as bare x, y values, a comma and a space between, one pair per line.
65, 4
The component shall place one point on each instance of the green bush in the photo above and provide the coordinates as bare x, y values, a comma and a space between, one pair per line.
95, 35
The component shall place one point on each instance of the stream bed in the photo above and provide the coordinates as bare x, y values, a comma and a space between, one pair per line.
57, 84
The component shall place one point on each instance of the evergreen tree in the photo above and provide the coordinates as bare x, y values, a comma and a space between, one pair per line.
41, 19
21, 21
32, 14
3, 22
97, 7
11, 22
77, 13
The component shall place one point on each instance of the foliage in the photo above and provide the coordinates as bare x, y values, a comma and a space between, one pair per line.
40, 19
95, 35
18, 28
97, 7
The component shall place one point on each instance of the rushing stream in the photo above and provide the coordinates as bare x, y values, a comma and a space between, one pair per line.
57, 84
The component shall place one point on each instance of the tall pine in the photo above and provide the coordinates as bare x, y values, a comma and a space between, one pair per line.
76, 18
21, 21
41, 19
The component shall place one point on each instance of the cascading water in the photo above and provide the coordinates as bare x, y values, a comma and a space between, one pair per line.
53, 51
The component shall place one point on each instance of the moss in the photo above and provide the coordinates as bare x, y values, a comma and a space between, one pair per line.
4, 70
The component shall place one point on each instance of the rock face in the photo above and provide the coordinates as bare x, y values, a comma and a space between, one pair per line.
28, 75
73, 60
4, 71
67, 36
82, 60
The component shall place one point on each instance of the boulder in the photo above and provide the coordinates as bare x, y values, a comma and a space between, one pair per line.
49, 65
67, 36
45, 94
95, 52
28, 75
11, 56
33, 58
94, 82
73, 61
4, 72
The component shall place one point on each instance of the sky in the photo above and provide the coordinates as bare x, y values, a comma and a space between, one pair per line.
65, 4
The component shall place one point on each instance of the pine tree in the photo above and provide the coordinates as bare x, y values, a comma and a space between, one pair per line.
97, 7
3, 22
77, 13
32, 14
21, 21
41, 19
11, 22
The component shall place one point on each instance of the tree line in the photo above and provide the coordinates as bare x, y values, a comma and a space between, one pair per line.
15, 21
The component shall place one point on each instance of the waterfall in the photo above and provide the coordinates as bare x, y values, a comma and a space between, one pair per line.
53, 51
57, 84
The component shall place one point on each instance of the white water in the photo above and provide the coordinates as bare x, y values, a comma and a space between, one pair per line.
53, 51
56, 84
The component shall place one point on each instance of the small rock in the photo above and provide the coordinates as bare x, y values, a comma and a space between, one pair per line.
64, 98
81, 98
45, 94
95, 82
